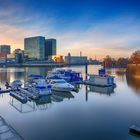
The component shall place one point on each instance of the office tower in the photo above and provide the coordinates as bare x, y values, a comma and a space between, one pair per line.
50, 48
35, 47
5, 49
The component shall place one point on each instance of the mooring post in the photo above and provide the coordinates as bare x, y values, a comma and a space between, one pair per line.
86, 70
86, 93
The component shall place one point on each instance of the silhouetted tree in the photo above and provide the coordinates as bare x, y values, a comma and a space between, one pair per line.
135, 57
108, 62
122, 62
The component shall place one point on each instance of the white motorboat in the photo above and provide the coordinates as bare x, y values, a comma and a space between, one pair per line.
57, 75
39, 87
61, 85
15, 84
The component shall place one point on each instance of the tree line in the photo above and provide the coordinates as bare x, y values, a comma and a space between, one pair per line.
122, 62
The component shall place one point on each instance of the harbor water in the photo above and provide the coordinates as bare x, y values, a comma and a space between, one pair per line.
92, 113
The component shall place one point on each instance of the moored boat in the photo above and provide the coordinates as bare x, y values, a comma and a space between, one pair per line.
15, 84
100, 80
61, 85
67, 75
39, 87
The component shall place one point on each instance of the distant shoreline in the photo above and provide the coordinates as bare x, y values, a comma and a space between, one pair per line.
42, 65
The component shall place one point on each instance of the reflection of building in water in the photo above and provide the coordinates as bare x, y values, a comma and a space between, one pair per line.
102, 90
4, 76
20, 75
134, 83
38, 70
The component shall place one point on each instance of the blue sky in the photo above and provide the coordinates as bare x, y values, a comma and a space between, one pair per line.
95, 27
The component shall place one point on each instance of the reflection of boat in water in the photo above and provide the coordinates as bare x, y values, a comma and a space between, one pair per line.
67, 95
7, 132
102, 90
60, 96
43, 100
56, 98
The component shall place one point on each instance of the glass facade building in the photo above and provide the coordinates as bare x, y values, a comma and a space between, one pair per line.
5, 49
35, 47
50, 47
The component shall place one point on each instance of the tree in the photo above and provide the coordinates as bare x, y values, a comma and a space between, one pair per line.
122, 62
135, 57
108, 62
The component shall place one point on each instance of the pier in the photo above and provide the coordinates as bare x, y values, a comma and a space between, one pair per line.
7, 132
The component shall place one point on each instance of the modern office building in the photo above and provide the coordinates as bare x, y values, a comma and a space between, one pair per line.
5, 49
34, 47
50, 48
19, 56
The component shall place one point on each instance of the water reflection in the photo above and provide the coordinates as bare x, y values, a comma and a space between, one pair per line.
45, 117
11, 74
134, 83
40, 104
102, 90
22, 108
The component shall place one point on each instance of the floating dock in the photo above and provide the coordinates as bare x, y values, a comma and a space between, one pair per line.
5, 91
7, 132
19, 96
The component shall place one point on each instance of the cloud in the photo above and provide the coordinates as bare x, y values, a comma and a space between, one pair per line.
118, 36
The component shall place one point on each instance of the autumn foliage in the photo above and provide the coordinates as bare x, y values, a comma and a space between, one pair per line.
135, 57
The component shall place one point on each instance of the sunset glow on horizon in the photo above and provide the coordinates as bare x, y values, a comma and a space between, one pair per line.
87, 26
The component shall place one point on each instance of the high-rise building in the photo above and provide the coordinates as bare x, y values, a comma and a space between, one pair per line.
50, 48
35, 47
19, 56
5, 49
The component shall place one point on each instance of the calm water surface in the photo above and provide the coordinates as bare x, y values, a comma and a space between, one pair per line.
92, 113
